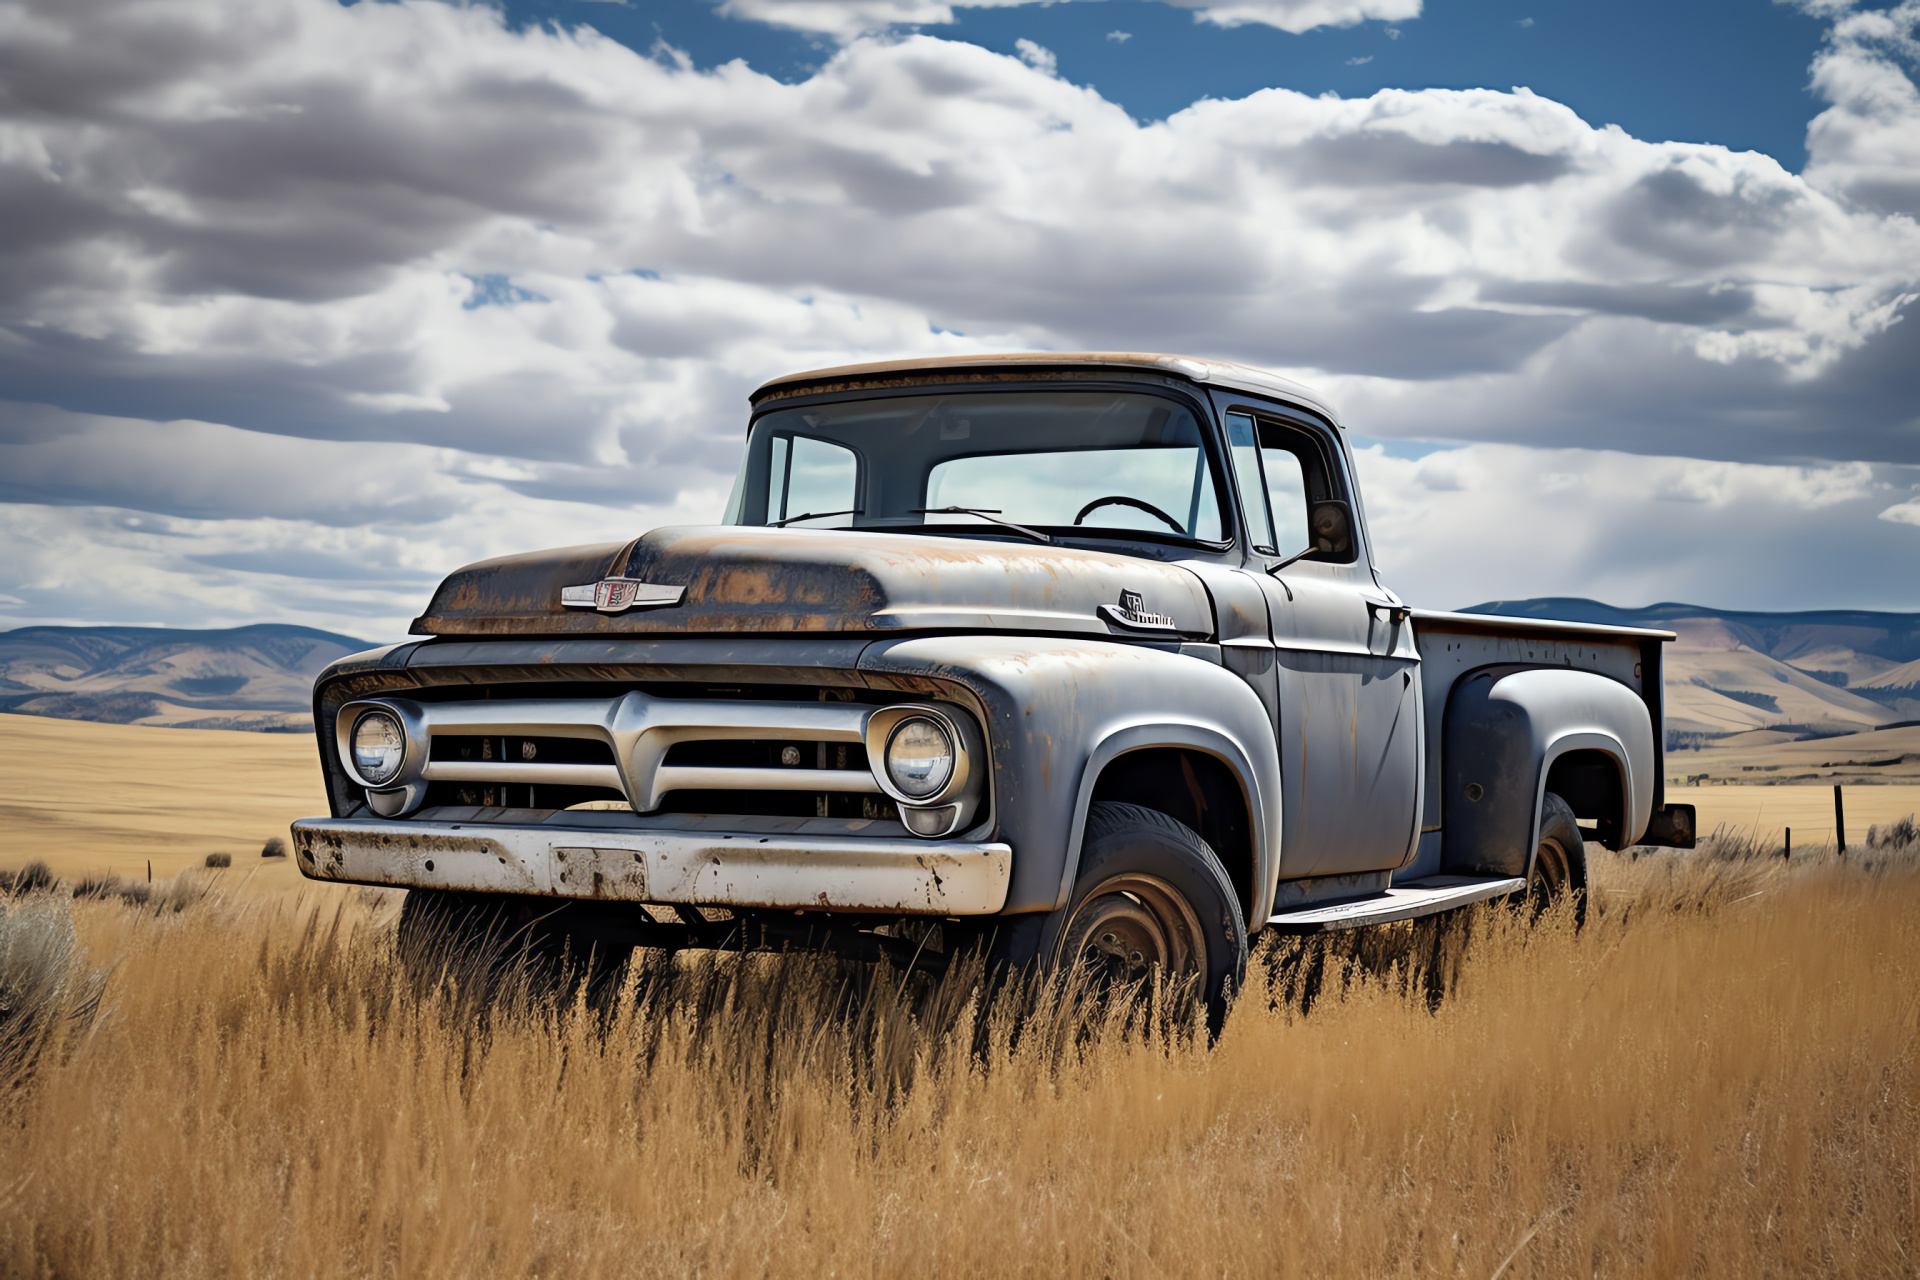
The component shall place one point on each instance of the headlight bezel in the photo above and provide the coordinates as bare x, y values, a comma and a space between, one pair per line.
407, 780
961, 796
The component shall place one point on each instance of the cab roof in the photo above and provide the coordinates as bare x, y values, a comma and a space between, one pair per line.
1216, 373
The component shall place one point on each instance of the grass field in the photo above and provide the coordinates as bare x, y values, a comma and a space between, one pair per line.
107, 799
1717, 1076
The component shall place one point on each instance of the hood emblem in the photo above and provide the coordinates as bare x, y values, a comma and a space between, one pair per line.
617, 595
1132, 612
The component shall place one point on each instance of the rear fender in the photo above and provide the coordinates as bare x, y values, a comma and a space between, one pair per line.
1058, 711
1505, 726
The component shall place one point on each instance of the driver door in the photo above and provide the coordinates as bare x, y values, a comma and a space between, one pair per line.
1347, 670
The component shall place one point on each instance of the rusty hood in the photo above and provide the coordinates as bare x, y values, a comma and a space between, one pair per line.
738, 579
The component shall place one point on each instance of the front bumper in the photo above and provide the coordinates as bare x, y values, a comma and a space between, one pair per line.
774, 869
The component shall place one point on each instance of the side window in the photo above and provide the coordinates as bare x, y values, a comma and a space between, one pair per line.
810, 477
1286, 497
1242, 443
1280, 471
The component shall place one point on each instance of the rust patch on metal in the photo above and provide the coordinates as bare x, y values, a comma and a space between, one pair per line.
752, 579
608, 874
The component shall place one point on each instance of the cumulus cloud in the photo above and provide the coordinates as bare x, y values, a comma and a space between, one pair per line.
371, 265
1866, 146
1634, 529
847, 19
73, 564
273, 231
1299, 15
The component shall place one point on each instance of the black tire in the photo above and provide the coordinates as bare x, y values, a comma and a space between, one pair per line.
1150, 893
1559, 869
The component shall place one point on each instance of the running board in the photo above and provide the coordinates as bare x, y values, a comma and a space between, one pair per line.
1407, 901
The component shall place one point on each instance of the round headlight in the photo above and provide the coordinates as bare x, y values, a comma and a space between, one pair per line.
379, 747
919, 757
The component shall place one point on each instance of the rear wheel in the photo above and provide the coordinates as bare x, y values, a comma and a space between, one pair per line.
1559, 870
1151, 896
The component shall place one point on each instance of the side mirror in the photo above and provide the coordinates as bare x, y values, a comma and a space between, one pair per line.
1330, 533
1331, 525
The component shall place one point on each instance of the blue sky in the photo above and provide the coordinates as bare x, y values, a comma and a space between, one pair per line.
304, 304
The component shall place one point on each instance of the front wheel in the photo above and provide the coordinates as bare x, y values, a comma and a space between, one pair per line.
1150, 895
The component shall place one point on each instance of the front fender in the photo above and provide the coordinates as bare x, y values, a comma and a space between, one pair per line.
1504, 728
1057, 711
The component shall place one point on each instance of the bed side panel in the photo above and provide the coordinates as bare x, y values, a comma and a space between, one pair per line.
1451, 646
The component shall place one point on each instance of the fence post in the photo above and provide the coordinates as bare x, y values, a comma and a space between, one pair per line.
1839, 819
1786, 850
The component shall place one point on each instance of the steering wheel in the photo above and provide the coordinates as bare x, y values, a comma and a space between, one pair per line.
1121, 500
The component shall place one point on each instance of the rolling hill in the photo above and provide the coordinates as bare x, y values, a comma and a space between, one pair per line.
1812, 674
258, 677
1797, 675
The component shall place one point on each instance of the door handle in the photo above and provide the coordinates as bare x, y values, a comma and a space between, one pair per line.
1396, 613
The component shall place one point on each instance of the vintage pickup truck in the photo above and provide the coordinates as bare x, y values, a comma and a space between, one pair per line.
1082, 658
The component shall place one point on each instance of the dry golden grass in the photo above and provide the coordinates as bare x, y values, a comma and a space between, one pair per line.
1716, 1077
1762, 812
105, 799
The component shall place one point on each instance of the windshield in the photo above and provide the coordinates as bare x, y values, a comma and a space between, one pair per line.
1087, 463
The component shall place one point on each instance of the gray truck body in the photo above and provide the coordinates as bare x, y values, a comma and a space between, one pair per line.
706, 730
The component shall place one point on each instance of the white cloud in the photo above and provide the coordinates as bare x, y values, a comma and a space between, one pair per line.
1119, 37
340, 267
1866, 146
1039, 57
1300, 15
847, 19
1486, 522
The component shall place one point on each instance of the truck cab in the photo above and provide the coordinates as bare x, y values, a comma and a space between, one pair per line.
1082, 659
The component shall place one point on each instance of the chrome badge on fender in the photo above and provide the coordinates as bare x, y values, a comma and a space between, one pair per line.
1132, 612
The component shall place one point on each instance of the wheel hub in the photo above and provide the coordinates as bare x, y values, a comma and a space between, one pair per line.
1131, 925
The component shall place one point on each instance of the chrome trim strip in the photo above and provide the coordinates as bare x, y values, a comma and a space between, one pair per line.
950, 878
720, 778
553, 775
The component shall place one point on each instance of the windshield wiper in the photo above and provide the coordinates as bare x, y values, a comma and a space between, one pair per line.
990, 514
815, 515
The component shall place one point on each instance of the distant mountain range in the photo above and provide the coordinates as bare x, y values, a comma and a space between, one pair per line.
1808, 674
1803, 674
258, 677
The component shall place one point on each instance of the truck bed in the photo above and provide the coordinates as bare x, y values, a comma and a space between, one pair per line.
1452, 645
